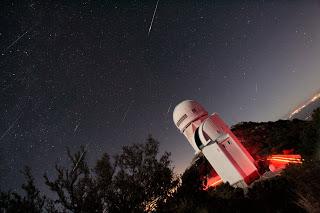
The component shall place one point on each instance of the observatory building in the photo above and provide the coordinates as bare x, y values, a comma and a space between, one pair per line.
211, 136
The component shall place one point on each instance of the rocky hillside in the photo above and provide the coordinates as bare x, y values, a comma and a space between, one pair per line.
267, 138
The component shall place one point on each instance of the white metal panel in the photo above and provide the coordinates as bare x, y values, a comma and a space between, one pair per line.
221, 164
211, 129
217, 120
239, 156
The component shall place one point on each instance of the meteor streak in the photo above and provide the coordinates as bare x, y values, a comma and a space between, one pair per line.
169, 108
76, 128
81, 156
10, 127
15, 41
154, 13
126, 112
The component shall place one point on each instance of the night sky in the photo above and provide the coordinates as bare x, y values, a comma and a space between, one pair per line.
91, 73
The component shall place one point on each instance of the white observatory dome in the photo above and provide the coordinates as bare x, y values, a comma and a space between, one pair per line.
186, 112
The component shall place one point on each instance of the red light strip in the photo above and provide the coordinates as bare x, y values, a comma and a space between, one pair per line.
215, 183
289, 156
287, 161
285, 158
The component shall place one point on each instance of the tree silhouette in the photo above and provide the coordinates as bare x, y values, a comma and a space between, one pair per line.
137, 180
32, 202
74, 186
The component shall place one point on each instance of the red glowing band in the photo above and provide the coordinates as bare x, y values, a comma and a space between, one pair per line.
216, 183
285, 158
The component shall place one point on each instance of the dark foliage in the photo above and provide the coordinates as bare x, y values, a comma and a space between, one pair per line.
273, 137
136, 180
305, 182
273, 195
189, 196
33, 201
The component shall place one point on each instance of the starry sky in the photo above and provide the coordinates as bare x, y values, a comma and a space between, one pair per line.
107, 73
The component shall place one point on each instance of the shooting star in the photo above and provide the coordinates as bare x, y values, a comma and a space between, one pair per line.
76, 128
169, 108
15, 41
126, 112
154, 13
10, 127
81, 156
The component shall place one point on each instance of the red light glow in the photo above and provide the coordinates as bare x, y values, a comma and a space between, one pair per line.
213, 182
285, 158
279, 162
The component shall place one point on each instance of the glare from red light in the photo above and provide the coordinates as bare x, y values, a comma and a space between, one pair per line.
285, 159
215, 183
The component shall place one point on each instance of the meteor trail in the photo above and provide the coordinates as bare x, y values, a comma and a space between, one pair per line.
15, 41
76, 128
169, 108
10, 127
126, 112
85, 150
154, 13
